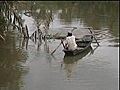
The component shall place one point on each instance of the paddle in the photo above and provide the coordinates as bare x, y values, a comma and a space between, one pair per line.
62, 41
56, 48
73, 29
93, 36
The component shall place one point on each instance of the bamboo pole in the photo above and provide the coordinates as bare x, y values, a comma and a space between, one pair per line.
27, 31
2, 38
14, 20
23, 31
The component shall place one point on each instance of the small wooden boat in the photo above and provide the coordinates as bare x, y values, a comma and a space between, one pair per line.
83, 44
72, 59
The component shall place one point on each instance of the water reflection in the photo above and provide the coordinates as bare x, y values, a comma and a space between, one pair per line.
98, 15
11, 68
70, 62
25, 43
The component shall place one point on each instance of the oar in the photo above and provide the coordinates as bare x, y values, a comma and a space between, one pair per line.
73, 29
62, 43
56, 48
93, 36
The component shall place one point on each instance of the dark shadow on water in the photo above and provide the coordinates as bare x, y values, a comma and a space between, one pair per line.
69, 62
72, 59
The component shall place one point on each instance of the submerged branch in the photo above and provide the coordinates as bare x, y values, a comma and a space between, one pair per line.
2, 38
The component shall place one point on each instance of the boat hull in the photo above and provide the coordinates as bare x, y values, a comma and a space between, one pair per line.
82, 44
72, 59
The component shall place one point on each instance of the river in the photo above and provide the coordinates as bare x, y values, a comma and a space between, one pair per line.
29, 65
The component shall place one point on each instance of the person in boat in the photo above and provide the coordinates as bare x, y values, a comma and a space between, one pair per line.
70, 43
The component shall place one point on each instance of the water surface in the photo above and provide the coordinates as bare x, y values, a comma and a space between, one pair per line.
28, 65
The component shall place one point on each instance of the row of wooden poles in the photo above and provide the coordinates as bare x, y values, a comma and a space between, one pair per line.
13, 19
16, 22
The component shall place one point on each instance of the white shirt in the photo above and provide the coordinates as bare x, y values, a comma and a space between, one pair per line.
70, 40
